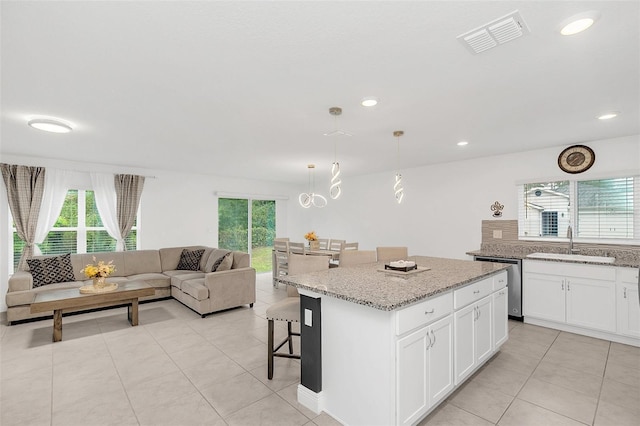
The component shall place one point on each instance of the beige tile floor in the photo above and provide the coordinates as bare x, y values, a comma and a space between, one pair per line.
179, 369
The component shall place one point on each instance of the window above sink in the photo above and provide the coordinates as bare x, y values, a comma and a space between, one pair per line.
599, 211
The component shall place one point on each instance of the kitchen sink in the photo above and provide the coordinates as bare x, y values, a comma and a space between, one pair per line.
574, 257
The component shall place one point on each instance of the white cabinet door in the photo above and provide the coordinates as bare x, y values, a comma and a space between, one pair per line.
464, 346
484, 329
591, 303
412, 379
440, 360
628, 310
500, 319
544, 297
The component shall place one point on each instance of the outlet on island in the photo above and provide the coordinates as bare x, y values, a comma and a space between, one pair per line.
497, 233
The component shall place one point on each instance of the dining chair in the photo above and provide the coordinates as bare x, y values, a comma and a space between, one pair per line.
296, 248
386, 254
288, 309
356, 257
280, 258
323, 243
349, 246
336, 245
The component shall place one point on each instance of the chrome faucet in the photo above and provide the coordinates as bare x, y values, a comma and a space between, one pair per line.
570, 237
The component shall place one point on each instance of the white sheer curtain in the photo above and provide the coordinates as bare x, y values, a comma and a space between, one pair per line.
56, 186
106, 202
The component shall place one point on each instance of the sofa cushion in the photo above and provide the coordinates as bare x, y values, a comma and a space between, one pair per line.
177, 280
154, 279
223, 263
141, 262
215, 256
190, 260
196, 289
170, 256
51, 270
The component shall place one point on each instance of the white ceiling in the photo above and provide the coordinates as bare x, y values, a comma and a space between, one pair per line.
243, 88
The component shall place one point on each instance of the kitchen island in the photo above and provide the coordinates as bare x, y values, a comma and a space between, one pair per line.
390, 346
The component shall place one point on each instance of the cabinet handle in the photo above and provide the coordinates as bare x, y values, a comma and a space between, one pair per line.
568, 285
476, 292
430, 344
562, 285
430, 312
434, 338
624, 294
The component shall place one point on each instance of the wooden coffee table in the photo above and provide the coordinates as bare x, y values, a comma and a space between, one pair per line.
71, 299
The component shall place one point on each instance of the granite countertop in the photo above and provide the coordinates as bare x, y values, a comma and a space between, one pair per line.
365, 285
624, 258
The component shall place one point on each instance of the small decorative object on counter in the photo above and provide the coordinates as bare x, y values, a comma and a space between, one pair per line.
496, 208
401, 265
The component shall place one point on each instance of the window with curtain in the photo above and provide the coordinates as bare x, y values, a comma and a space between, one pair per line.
603, 209
78, 229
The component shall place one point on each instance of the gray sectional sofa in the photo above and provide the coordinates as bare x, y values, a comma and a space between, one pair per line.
232, 285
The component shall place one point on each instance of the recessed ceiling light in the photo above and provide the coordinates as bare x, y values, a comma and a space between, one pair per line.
608, 116
369, 101
462, 143
578, 23
53, 125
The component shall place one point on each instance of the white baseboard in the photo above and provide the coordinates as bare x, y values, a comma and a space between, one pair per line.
310, 399
583, 331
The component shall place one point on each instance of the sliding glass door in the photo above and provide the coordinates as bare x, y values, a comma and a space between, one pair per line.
236, 216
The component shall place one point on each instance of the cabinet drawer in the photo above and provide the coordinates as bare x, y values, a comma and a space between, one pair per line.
423, 313
566, 269
472, 292
500, 281
628, 275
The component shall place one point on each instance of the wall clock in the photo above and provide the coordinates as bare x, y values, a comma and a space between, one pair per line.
576, 159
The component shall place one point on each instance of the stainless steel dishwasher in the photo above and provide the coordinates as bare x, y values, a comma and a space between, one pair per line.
514, 283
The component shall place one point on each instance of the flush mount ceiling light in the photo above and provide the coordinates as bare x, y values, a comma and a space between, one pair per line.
608, 116
369, 101
462, 143
398, 190
308, 199
578, 23
53, 125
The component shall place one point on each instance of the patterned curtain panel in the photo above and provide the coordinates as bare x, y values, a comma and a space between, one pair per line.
25, 187
128, 192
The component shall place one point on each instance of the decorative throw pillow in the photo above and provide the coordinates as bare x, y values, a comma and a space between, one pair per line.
190, 260
51, 270
223, 263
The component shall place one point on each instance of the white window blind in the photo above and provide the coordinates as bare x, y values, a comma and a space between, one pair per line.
606, 208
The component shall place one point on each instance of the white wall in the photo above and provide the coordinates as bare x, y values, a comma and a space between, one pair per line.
440, 216
444, 204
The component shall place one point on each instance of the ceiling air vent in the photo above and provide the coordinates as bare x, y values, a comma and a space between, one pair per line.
498, 31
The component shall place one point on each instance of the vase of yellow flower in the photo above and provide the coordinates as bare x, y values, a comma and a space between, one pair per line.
99, 272
314, 244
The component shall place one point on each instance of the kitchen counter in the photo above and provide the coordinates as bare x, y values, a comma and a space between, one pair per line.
365, 285
624, 258
372, 335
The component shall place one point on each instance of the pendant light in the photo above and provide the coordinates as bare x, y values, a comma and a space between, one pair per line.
308, 199
336, 183
398, 190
